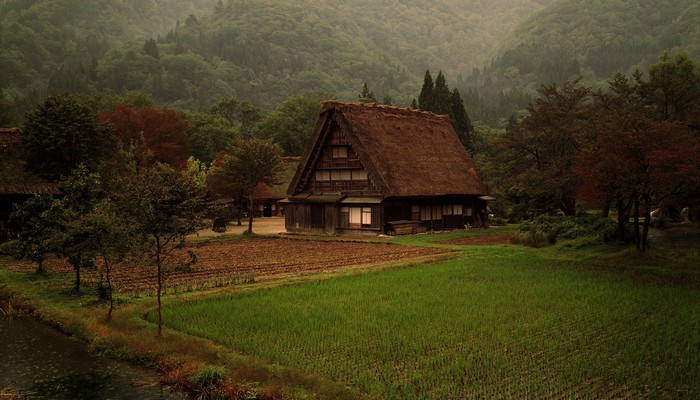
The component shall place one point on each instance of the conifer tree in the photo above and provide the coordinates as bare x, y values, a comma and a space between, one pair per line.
425, 99
460, 120
441, 97
367, 96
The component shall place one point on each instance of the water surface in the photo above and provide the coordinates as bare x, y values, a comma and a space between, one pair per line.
44, 363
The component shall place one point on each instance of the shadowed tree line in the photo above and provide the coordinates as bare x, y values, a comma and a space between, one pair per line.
632, 147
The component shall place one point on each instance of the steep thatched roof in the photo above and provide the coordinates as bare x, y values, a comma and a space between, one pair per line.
406, 152
14, 179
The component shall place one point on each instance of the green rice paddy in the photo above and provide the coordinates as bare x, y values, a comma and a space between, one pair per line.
497, 322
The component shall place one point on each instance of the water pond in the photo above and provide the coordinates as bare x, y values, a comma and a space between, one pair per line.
39, 362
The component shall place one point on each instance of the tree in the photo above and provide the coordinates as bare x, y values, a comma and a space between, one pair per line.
239, 114
540, 149
437, 98
440, 98
164, 204
425, 98
74, 235
460, 120
640, 154
113, 239
292, 123
208, 134
366, 95
251, 162
35, 221
61, 133
8, 110
159, 134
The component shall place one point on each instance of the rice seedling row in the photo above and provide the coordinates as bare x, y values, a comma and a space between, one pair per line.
503, 324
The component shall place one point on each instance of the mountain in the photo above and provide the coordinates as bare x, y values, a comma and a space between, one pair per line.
192, 54
595, 39
43, 40
259, 50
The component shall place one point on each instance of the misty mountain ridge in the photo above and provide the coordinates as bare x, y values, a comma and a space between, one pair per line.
265, 51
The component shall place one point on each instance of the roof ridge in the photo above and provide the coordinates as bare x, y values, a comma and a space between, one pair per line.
336, 104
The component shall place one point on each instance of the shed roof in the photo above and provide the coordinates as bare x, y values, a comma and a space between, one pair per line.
406, 152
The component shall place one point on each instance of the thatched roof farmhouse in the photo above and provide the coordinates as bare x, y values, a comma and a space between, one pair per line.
370, 167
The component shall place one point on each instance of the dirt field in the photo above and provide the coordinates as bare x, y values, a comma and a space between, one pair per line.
261, 226
482, 240
229, 262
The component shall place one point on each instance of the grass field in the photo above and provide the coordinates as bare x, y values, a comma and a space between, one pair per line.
496, 322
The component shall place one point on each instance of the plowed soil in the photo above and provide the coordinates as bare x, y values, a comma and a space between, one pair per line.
239, 261
482, 240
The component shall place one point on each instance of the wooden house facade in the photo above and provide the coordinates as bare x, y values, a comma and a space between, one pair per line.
369, 167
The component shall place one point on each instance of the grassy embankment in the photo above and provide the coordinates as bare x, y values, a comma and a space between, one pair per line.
495, 321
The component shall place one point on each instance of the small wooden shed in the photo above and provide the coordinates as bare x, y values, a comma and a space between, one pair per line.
367, 166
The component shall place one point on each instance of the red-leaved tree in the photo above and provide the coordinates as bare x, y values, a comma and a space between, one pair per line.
158, 134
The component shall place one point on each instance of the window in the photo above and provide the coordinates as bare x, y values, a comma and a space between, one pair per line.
340, 152
366, 216
415, 213
469, 212
452, 210
360, 216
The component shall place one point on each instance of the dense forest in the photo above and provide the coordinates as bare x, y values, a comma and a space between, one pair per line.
191, 55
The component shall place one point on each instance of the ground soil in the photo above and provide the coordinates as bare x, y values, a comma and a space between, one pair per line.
482, 240
234, 261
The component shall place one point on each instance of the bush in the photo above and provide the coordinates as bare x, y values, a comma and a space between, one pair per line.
208, 376
548, 229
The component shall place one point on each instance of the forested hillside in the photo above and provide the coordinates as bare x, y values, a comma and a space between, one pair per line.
192, 54
49, 46
261, 51
595, 39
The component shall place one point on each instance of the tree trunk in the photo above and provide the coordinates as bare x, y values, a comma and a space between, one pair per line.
647, 222
250, 214
160, 285
109, 288
637, 236
605, 210
621, 221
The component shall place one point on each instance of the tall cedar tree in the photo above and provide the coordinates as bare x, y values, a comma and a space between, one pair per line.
61, 133
437, 98
460, 120
425, 98
159, 134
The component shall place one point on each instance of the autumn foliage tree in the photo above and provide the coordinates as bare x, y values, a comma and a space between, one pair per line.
540, 149
158, 134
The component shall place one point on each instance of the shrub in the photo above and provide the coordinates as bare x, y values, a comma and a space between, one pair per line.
208, 376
